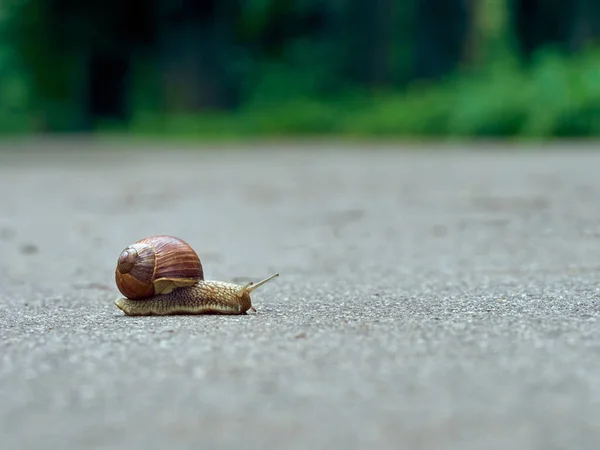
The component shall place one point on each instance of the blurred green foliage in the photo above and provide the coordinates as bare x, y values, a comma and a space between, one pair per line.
384, 68
556, 97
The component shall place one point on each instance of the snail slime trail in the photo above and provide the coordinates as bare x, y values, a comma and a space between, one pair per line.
162, 275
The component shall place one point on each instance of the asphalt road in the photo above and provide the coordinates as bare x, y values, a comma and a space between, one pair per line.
428, 299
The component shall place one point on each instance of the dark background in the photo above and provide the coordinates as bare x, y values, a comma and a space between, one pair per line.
290, 67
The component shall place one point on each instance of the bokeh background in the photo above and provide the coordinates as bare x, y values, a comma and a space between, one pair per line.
375, 68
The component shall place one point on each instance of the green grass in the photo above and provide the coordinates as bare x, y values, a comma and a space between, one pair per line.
556, 97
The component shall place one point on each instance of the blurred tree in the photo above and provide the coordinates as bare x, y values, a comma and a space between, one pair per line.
288, 46
489, 38
442, 31
540, 23
284, 21
195, 49
368, 41
109, 34
586, 27
79, 55
564, 26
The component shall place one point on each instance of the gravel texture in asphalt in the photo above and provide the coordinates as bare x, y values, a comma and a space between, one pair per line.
428, 299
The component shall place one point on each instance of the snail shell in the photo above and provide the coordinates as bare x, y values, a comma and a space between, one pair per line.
157, 265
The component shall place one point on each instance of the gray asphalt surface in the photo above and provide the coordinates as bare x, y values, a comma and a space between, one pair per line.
431, 299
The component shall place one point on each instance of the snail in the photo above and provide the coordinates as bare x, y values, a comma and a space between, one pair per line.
163, 275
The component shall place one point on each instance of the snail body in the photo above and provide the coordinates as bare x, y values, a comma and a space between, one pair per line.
163, 275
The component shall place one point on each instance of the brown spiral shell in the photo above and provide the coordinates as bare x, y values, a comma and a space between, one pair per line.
156, 264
